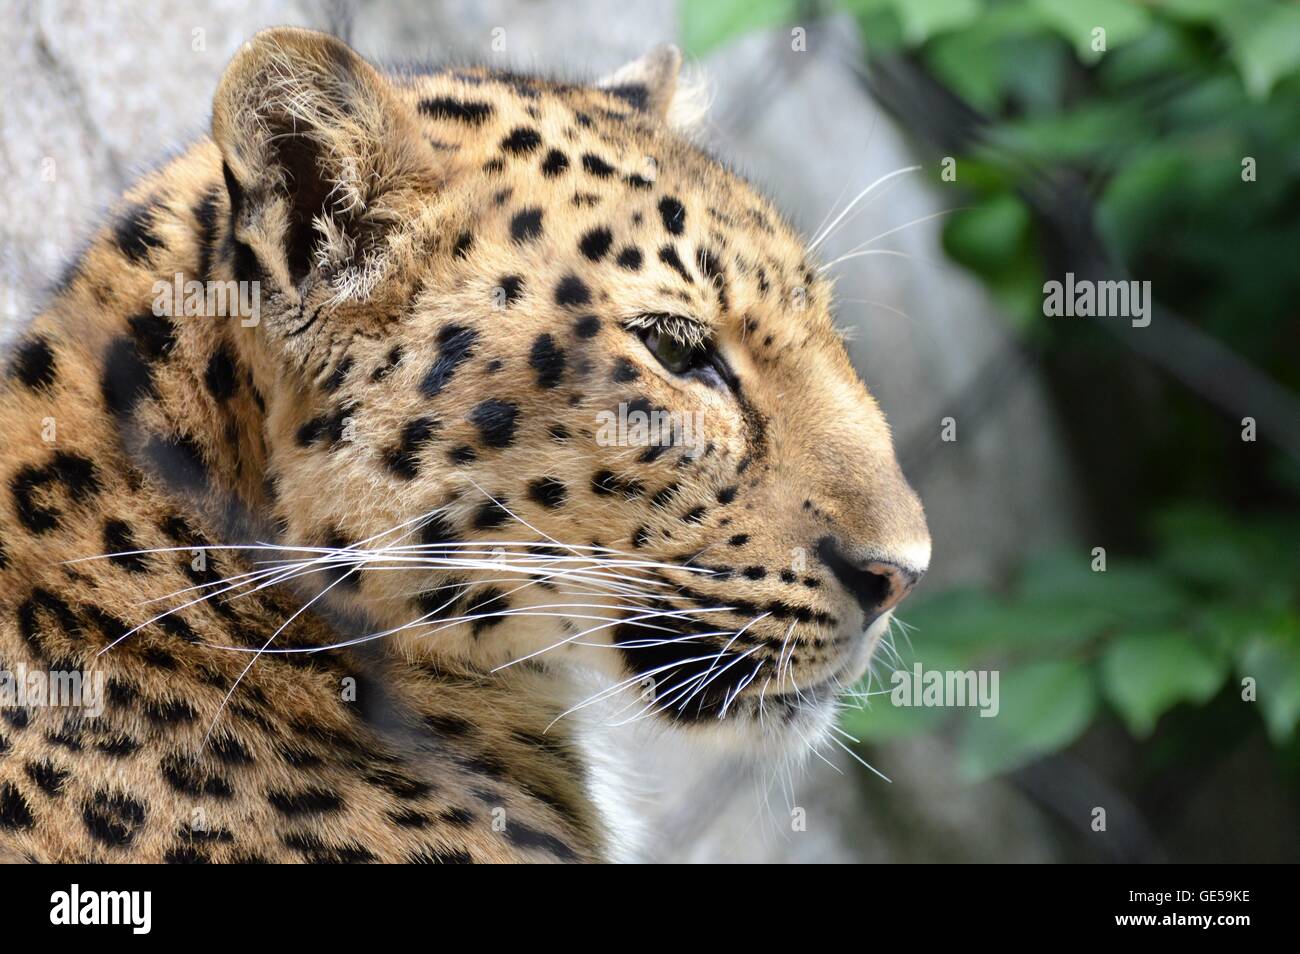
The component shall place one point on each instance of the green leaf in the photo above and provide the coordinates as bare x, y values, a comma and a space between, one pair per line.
1038, 69
1275, 667
988, 236
992, 239
1217, 551
1141, 594
1065, 583
1043, 629
1144, 676
878, 25
1076, 21
1140, 196
911, 23
1042, 708
1166, 48
972, 623
1230, 626
1194, 11
1063, 578
707, 24
956, 621
970, 67
882, 721
923, 19
1091, 131
1265, 41
1004, 54
1019, 289
876, 718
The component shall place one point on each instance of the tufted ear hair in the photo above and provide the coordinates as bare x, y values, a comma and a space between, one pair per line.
317, 153
653, 84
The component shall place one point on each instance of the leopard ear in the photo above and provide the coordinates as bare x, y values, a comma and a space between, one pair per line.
653, 84
317, 152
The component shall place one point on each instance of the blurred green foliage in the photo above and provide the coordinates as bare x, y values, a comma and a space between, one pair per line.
1157, 126
1215, 602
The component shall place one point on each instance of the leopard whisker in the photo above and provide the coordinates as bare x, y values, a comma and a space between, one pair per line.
690, 688
856, 251
444, 624
617, 583
894, 253
238, 679
826, 233
687, 685
856, 757
656, 614
514, 515
176, 609
740, 632
740, 687
238, 579
782, 662
624, 683
815, 750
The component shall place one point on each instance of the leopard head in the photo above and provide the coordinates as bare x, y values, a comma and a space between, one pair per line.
549, 385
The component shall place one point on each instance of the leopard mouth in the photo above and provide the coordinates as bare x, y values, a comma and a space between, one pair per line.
821, 696
760, 701
693, 685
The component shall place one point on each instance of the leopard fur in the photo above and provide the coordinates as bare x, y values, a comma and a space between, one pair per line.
456, 271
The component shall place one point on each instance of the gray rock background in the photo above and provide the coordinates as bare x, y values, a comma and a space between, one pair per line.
92, 95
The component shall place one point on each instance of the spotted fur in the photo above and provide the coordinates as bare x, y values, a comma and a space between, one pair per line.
457, 272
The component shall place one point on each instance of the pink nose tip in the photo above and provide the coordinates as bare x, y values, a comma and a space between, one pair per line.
894, 582
877, 585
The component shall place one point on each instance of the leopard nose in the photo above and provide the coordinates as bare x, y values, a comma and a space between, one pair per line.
876, 581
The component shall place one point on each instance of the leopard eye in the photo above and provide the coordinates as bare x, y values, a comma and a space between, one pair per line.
677, 357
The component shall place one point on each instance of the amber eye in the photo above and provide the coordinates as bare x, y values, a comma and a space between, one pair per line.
677, 357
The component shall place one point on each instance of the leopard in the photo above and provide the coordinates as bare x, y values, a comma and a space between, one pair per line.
398, 438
